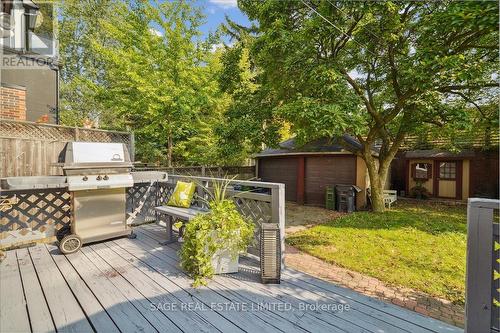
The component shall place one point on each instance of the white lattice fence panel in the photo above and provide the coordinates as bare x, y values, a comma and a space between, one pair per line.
141, 200
27, 130
165, 190
259, 212
103, 136
36, 215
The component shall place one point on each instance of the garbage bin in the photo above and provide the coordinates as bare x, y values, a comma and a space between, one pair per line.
346, 197
330, 198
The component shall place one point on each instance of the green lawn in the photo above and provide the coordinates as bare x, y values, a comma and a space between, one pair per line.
421, 246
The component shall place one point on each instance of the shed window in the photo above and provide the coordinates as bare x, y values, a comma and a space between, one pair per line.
447, 170
422, 171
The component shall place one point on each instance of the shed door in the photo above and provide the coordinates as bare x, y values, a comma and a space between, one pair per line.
323, 171
448, 179
281, 170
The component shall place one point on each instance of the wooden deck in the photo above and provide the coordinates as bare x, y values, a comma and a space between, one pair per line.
136, 285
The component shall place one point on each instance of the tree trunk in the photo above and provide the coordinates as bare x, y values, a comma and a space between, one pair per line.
378, 175
170, 148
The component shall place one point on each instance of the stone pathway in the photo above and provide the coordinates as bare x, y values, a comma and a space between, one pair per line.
300, 217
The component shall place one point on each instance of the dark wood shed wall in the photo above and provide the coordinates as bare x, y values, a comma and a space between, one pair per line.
484, 175
323, 171
280, 170
313, 172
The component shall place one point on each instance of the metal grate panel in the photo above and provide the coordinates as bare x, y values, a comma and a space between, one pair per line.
270, 253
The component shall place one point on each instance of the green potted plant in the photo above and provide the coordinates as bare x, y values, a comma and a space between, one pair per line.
213, 241
419, 191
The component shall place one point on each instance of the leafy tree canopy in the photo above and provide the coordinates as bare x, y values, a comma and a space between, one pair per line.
376, 70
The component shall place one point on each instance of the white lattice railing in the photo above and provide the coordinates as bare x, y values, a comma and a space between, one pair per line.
37, 215
261, 202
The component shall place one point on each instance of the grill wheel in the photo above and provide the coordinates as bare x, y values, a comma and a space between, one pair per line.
70, 244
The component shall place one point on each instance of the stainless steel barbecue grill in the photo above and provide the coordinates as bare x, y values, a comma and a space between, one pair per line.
97, 175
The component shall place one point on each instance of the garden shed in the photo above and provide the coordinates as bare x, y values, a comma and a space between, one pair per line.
447, 175
307, 170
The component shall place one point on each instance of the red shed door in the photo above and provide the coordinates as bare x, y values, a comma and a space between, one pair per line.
323, 171
280, 170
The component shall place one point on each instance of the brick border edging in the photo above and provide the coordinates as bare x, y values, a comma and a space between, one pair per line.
408, 298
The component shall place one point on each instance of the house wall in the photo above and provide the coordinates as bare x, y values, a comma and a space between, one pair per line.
12, 102
447, 188
465, 179
40, 86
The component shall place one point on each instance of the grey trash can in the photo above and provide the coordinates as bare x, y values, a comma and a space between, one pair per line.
346, 197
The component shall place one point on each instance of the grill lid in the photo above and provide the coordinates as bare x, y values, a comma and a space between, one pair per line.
79, 155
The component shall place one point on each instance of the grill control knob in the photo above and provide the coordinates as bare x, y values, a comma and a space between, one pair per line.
85, 178
99, 177
106, 177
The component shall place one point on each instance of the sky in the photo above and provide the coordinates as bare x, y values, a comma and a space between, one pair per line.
215, 10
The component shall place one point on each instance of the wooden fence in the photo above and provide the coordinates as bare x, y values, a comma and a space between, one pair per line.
483, 267
32, 149
37, 215
240, 172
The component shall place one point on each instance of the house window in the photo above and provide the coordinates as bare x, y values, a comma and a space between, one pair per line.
448, 170
422, 171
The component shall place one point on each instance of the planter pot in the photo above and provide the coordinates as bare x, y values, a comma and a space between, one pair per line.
225, 261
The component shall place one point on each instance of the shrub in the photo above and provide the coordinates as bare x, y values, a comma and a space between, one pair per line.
419, 192
223, 228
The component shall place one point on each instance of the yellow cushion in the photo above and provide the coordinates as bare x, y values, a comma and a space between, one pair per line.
183, 195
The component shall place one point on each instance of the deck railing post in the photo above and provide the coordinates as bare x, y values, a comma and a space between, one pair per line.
132, 146
278, 214
479, 282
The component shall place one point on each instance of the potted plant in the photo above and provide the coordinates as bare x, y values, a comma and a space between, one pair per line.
213, 241
419, 191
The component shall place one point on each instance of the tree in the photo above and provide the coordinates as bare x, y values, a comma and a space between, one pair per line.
249, 116
376, 70
81, 70
155, 73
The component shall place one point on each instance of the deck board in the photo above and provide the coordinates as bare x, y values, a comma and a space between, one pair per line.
64, 308
116, 285
13, 312
219, 285
230, 285
96, 313
262, 322
152, 293
123, 312
359, 317
37, 306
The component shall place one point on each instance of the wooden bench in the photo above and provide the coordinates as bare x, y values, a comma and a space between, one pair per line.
390, 197
176, 213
